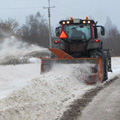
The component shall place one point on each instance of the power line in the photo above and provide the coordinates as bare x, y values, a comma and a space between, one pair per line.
24, 8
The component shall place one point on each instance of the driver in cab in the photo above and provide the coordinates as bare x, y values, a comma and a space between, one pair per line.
77, 34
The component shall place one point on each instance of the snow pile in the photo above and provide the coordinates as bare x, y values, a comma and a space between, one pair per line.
30, 96
45, 97
14, 77
115, 67
14, 51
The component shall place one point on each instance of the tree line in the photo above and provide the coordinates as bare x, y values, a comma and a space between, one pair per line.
36, 31
112, 38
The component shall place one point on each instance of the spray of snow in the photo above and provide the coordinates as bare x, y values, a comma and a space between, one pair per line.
14, 49
79, 71
29, 96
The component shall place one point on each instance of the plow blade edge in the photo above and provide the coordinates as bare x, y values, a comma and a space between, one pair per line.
97, 70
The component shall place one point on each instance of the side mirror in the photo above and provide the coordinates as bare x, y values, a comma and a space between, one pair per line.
58, 31
102, 30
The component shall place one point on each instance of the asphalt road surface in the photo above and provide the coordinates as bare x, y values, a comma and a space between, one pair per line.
105, 106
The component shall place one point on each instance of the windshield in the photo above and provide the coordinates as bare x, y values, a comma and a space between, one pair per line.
81, 32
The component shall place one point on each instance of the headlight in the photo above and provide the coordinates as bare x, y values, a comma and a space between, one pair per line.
89, 21
63, 22
84, 22
68, 22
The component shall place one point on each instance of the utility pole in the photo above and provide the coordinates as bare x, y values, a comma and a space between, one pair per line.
49, 15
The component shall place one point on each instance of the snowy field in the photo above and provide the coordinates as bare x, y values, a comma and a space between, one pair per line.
25, 94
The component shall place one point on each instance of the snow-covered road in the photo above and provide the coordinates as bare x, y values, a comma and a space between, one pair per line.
27, 95
105, 106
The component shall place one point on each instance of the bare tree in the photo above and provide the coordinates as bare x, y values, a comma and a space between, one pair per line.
8, 28
112, 38
35, 30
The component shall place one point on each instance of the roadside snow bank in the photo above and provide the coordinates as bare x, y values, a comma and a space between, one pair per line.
13, 77
45, 97
115, 67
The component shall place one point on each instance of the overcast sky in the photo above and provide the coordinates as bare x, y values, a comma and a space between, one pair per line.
98, 9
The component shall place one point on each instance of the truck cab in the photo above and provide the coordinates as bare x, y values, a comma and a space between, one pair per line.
78, 37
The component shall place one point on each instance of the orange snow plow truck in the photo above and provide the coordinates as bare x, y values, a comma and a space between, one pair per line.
77, 42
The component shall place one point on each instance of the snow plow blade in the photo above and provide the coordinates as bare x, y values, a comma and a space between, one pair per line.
64, 58
96, 75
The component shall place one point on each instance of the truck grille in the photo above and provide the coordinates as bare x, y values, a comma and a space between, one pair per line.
77, 47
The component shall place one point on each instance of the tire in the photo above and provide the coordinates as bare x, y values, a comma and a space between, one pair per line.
103, 55
105, 59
